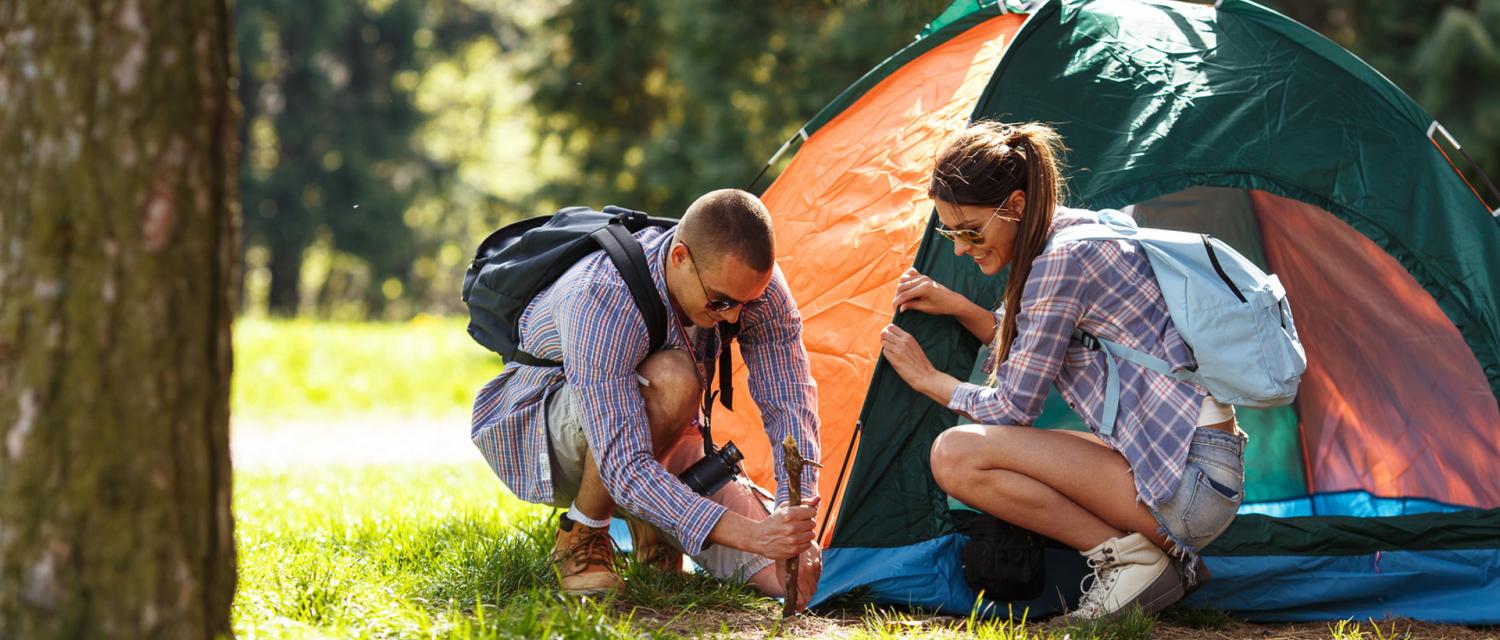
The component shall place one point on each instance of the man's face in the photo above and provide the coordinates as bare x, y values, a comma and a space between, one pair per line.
713, 289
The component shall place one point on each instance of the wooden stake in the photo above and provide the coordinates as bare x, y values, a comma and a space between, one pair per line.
793, 461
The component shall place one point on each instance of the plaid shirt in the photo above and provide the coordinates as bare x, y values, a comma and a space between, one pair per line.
587, 320
1108, 289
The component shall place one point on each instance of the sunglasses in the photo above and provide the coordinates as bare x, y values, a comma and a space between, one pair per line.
716, 305
972, 236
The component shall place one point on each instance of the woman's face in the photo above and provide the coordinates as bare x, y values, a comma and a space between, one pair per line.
986, 234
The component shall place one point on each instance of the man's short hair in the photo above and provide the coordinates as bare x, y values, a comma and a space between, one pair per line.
729, 222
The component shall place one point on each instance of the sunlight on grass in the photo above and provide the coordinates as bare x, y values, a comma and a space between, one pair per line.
1351, 630
881, 624
397, 551
429, 551
312, 369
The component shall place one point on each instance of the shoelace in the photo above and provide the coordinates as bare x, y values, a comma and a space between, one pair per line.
594, 548
1095, 584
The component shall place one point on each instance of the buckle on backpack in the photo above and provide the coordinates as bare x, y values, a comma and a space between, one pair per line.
1088, 341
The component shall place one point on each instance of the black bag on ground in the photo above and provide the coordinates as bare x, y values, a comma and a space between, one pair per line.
518, 261
1003, 560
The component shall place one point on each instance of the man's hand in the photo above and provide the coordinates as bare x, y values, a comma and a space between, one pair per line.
786, 532
810, 569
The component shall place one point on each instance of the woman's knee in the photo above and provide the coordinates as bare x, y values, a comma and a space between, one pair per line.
952, 457
961, 452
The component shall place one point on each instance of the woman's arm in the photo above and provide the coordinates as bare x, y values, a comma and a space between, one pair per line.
917, 292
1050, 309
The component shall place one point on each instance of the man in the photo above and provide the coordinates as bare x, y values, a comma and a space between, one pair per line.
615, 424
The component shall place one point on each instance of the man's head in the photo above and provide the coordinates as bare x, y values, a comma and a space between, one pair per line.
722, 257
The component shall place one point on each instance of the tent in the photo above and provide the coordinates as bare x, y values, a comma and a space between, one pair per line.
1375, 494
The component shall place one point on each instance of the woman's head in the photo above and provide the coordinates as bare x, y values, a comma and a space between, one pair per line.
995, 188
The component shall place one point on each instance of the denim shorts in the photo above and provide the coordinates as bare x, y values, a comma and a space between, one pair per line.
1213, 485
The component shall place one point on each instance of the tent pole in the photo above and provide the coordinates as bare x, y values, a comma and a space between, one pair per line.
838, 485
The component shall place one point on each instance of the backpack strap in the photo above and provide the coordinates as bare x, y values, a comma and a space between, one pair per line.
728, 331
1113, 353
630, 260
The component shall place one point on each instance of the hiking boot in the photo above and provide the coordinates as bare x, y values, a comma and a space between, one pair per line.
1128, 572
585, 559
652, 548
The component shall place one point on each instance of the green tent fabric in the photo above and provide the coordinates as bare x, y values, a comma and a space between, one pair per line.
1189, 96
1236, 121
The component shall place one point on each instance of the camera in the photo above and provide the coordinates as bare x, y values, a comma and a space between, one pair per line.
710, 474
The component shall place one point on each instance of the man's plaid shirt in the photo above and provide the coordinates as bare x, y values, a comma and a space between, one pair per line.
1106, 288
588, 320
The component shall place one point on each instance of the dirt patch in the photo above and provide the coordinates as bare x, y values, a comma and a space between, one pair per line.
757, 624
1391, 629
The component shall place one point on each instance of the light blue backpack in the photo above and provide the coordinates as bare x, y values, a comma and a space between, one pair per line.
1234, 317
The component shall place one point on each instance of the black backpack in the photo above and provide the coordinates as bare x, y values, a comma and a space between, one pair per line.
519, 260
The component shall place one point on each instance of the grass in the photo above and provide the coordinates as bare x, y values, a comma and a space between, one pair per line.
428, 551
307, 369
442, 551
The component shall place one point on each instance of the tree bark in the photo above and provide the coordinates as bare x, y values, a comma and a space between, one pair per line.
118, 229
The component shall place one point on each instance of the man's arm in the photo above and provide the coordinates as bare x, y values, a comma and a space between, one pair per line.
781, 380
786, 532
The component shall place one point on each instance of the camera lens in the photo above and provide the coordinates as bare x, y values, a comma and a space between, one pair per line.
731, 454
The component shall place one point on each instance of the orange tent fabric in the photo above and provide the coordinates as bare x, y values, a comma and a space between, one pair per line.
849, 211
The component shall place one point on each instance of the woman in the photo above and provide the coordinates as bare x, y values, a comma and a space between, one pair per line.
1167, 477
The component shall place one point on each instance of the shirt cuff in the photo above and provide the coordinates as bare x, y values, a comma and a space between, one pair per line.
964, 397
809, 488
697, 523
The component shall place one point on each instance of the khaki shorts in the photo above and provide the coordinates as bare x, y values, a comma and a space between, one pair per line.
568, 445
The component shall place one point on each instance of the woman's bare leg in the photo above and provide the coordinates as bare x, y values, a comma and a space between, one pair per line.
1067, 486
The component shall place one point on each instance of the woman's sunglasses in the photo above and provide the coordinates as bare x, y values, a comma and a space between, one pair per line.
972, 236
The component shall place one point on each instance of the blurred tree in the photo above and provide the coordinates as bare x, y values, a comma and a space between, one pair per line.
328, 130
118, 234
1445, 55
658, 101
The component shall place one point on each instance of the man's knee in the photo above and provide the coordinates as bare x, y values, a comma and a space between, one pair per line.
672, 392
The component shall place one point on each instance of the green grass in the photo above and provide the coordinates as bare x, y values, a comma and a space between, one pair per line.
883, 625
312, 369
442, 551
1351, 630
426, 552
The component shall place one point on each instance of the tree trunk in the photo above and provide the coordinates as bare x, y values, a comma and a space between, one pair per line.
118, 226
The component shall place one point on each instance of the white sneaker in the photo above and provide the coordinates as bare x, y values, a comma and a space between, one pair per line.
1128, 572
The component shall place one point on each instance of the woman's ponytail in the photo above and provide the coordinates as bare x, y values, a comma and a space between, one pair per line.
983, 166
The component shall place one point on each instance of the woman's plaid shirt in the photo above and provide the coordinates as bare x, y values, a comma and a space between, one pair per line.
588, 321
1106, 288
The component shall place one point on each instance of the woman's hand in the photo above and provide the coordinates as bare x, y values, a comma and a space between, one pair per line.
911, 363
906, 356
917, 292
